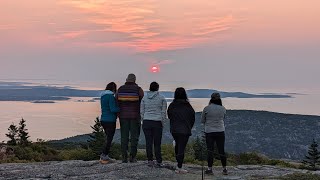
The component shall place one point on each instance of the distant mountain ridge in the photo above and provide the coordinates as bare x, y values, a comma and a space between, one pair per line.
276, 135
29, 92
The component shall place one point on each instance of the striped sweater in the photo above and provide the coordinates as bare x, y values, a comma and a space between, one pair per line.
129, 97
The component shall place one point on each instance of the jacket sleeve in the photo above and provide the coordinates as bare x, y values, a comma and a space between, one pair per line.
164, 109
141, 94
170, 111
113, 105
193, 119
142, 109
116, 96
203, 116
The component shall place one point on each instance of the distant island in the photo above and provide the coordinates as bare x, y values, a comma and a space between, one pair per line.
43, 101
27, 92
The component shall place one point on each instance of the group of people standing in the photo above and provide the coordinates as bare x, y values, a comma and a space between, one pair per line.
132, 106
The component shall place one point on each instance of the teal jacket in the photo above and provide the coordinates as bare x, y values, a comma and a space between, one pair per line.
109, 107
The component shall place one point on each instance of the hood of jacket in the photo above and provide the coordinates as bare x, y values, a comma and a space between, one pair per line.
152, 94
106, 92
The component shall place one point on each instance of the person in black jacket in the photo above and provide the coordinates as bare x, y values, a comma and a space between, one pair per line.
182, 118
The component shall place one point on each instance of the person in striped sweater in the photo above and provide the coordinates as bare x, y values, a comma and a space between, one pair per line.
129, 97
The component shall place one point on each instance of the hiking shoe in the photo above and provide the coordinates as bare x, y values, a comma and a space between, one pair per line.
225, 172
133, 160
208, 171
181, 171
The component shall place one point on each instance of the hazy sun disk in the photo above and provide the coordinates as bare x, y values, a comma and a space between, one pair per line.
155, 69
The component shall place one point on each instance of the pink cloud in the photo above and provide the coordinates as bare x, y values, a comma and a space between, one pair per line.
143, 28
7, 27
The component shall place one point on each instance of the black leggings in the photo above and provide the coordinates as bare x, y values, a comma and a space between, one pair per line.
219, 139
109, 129
153, 134
181, 143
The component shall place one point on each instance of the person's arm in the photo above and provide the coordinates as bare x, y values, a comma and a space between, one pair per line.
116, 96
113, 105
141, 94
193, 113
203, 116
142, 109
170, 111
164, 109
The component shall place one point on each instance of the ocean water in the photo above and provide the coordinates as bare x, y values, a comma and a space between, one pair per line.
63, 119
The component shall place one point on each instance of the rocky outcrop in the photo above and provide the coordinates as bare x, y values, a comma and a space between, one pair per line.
94, 170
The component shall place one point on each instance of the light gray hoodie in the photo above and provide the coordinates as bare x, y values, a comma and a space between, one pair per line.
153, 107
213, 118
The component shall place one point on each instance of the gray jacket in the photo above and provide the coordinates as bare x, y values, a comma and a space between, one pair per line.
213, 118
153, 107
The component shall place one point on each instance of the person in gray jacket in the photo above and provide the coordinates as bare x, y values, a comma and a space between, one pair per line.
153, 113
213, 119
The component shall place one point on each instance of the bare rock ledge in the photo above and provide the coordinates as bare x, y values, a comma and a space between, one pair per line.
94, 170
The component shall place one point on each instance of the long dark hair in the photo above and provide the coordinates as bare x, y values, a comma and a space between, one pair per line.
215, 101
180, 94
112, 87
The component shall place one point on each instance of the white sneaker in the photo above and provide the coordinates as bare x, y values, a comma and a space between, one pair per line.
106, 158
181, 171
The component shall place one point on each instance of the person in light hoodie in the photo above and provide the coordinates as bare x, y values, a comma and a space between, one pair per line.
108, 119
153, 112
213, 119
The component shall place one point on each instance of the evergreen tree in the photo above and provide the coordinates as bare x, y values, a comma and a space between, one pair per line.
97, 138
12, 135
23, 133
312, 159
200, 149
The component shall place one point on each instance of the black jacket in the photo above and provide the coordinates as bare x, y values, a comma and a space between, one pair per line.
182, 117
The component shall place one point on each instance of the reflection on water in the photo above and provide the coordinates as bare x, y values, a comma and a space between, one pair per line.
69, 118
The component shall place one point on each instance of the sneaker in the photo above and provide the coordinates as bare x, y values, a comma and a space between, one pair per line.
181, 171
110, 159
225, 172
208, 171
159, 165
150, 163
104, 159
133, 160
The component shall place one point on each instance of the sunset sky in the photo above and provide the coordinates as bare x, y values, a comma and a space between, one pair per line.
263, 43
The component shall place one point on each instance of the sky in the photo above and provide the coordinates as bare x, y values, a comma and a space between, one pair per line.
216, 43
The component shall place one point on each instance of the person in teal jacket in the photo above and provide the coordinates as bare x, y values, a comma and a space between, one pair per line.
109, 110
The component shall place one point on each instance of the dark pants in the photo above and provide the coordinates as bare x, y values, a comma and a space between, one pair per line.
109, 129
129, 128
153, 134
181, 143
219, 139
